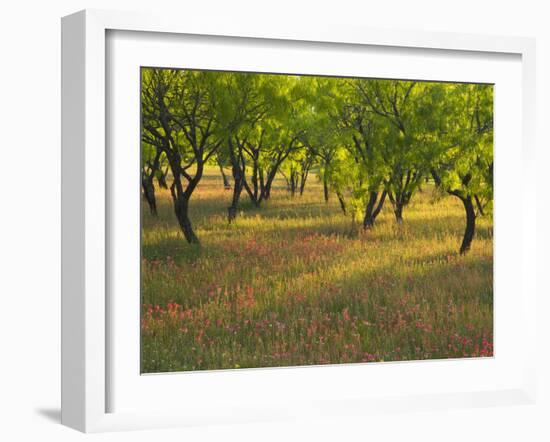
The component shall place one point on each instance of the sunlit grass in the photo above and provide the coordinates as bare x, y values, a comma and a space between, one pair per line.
293, 283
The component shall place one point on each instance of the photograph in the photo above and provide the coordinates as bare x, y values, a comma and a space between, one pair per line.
297, 220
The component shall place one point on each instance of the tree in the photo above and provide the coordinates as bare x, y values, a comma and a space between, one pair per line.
248, 100
367, 138
464, 165
370, 140
267, 152
344, 180
162, 173
322, 136
296, 170
221, 163
402, 105
267, 133
325, 151
150, 165
180, 117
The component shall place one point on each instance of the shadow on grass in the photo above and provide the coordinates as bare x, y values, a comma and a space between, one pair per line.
434, 275
171, 247
384, 231
433, 272
209, 219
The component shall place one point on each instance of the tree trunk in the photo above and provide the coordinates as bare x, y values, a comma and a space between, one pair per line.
398, 211
325, 188
470, 224
380, 204
256, 181
341, 201
149, 194
293, 183
226, 184
368, 220
479, 205
181, 195
303, 179
470, 229
182, 214
398, 201
161, 179
373, 209
237, 189
266, 189
238, 182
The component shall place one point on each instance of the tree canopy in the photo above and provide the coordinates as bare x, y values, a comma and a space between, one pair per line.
368, 140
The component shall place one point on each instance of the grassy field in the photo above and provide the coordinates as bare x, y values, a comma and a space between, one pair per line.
291, 283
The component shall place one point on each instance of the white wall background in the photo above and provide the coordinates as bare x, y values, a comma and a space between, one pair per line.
30, 215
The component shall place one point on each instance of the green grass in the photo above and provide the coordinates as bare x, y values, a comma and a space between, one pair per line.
291, 283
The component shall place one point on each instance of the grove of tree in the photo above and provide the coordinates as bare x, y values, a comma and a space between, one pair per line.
370, 142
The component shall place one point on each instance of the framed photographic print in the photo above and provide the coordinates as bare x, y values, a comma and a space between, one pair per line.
269, 223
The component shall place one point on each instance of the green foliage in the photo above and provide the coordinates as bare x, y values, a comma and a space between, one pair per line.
464, 153
361, 136
290, 283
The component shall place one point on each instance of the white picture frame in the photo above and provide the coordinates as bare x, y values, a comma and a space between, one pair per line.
86, 356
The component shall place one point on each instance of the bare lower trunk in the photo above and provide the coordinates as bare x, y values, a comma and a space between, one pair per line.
380, 204
149, 194
293, 183
341, 201
398, 211
398, 202
469, 208
374, 206
256, 187
161, 179
182, 214
470, 224
479, 205
181, 197
238, 182
226, 183
303, 179
232, 209
325, 189
266, 188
